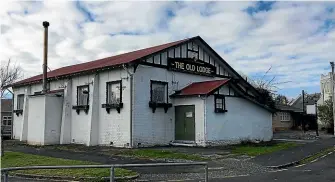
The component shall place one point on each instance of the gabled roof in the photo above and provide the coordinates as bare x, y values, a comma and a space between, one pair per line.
201, 88
119, 60
101, 63
282, 107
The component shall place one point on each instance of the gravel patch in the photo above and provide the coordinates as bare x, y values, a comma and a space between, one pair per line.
219, 169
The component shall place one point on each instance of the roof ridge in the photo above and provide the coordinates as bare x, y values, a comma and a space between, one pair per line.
115, 60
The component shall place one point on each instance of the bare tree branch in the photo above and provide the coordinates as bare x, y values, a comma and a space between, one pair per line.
9, 73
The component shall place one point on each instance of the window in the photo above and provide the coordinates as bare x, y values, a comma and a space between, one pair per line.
159, 96
285, 116
114, 92
20, 102
7, 120
219, 103
82, 95
159, 92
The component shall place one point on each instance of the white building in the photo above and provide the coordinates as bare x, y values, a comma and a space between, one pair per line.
326, 88
180, 92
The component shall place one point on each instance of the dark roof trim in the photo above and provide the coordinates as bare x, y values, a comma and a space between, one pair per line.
226, 64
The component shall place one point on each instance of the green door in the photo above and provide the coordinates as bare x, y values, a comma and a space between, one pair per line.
184, 123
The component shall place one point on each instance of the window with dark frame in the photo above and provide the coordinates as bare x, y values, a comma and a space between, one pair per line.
82, 95
114, 92
159, 92
220, 103
7, 120
20, 102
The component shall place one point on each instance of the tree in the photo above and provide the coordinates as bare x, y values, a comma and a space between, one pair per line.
9, 73
325, 114
281, 99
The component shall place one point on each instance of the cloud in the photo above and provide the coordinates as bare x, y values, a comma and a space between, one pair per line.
296, 39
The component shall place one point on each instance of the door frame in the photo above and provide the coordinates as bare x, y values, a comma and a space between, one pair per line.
185, 141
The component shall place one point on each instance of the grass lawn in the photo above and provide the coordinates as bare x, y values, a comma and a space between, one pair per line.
259, 149
17, 159
159, 154
317, 155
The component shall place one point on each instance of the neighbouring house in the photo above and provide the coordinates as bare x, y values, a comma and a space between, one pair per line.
179, 92
307, 109
285, 117
6, 117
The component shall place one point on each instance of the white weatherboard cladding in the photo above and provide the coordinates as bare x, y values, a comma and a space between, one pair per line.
156, 128
243, 121
80, 126
199, 116
114, 127
53, 119
36, 120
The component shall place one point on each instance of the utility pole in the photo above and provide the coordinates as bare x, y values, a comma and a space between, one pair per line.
332, 79
303, 111
316, 118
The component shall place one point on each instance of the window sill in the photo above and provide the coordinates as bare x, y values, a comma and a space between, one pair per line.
18, 112
220, 111
108, 107
155, 105
81, 107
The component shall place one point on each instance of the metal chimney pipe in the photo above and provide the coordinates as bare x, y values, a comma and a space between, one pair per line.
45, 56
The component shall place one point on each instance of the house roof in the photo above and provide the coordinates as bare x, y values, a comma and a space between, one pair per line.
6, 105
101, 63
282, 107
201, 88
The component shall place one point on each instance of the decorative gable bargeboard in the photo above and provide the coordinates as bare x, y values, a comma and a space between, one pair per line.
192, 50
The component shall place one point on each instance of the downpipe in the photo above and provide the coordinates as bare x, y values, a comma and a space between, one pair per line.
131, 104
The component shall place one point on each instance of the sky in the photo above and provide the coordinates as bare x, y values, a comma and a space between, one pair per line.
295, 39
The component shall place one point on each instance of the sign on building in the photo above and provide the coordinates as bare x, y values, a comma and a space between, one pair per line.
310, 109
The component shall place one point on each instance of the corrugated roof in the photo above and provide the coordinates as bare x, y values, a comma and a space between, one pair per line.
101, 63
201, 88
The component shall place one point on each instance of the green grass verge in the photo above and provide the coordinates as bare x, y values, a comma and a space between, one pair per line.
317, 155
160, 154
18, 159
262, 148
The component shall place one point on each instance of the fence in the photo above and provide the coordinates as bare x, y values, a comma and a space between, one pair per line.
5, 171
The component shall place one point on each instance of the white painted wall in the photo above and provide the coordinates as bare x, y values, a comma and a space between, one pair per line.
199, 103
156, 128
17, 120
53, 119
114, 127
243, 121
80, 123
36, 120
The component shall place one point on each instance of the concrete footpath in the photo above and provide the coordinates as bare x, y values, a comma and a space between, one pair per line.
288, 157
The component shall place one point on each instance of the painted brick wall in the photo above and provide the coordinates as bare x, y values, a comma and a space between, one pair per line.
243, 121
80, 126
114, 127
156, 128
17, 120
